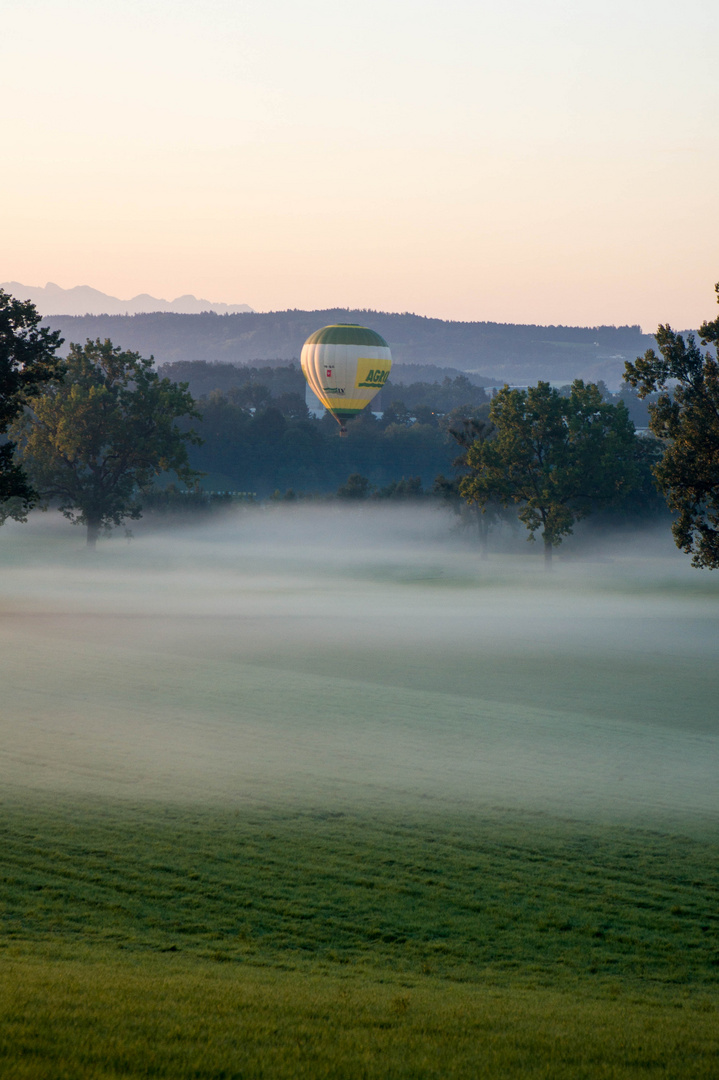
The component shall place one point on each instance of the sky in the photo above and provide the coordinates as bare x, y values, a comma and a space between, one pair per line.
544, 163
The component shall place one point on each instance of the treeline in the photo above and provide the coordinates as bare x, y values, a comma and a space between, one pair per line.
258, 435
92, 433
273, 448
540, 457
444, 393
440, 396
500, 351
202, 377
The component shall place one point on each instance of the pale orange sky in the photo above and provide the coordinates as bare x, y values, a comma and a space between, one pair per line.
550, 163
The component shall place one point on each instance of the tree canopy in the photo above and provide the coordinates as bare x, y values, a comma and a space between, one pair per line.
95, 437
556, 456
686, 416
27, 362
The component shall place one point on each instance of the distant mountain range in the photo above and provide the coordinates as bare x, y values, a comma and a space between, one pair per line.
51, 299
493, 352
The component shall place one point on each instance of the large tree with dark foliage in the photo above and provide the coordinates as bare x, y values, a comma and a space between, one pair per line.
555, 456
27, 362
93, 439
686, 416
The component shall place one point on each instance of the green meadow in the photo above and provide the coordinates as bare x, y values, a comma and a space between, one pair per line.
273, 806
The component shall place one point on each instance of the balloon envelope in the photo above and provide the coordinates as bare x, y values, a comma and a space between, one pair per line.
345, 365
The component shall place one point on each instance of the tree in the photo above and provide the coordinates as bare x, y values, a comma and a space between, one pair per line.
93, 439
686, 416
556, 456
292, 406
425, 414
356, 487
27, 362
396, 413
466, 432
405, 490
252, 395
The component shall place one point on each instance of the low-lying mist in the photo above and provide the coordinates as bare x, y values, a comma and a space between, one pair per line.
360, 655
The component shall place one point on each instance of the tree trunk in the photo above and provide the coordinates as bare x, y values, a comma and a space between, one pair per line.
483, 530
93, 531
547, 555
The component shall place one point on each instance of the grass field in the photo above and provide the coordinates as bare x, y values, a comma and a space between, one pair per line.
271, 811
167, 941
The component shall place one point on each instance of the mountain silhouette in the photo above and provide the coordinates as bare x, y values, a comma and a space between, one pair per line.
51, 299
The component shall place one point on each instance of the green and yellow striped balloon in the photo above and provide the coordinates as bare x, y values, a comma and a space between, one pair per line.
345, 365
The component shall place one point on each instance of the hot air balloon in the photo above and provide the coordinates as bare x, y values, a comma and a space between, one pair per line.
345, 365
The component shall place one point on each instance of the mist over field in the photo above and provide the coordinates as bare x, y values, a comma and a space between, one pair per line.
364, 657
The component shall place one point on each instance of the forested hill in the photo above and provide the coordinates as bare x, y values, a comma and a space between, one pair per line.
500, 351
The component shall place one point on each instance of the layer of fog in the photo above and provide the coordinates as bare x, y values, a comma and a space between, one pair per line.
358, 655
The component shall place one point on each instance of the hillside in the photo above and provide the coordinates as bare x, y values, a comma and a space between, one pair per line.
497, 351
